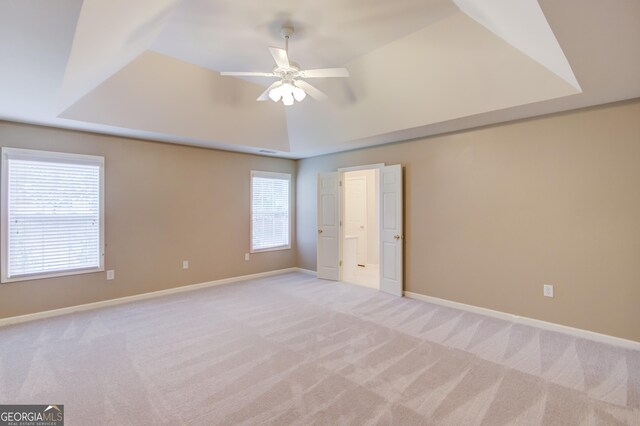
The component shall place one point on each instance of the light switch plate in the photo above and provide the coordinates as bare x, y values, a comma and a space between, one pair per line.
547, 290
111, 274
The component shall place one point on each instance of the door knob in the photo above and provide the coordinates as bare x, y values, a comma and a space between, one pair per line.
319, 231
397, 237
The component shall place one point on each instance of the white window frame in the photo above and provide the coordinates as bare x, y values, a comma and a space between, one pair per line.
268, 175
50, 156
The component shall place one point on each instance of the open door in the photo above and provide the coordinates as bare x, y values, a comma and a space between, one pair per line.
329, 226
391, 230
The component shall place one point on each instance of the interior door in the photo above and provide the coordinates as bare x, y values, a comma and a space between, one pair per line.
355, 217
391, 230
328, 247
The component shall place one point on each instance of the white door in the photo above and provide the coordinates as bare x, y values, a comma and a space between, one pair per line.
329, 226
355, 213
391, 230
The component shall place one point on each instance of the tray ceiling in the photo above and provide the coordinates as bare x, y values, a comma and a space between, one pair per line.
150, 68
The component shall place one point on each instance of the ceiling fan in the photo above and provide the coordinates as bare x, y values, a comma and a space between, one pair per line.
290, 85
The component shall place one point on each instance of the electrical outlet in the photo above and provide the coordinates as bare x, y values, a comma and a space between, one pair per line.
111, 275
185, 264
547, 290
246, 256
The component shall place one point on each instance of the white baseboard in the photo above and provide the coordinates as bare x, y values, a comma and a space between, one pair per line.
586, 334
143, 296
577, 332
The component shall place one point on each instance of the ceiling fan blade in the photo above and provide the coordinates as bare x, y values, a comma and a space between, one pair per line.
325, 72
248, 74
311, 91
280, 56
265, 95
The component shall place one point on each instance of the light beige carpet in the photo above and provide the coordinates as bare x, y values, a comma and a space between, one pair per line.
291, 349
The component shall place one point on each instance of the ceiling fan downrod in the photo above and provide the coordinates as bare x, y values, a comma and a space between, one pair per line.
286, 31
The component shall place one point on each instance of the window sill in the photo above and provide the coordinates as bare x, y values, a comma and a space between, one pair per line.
51, 275
271, 249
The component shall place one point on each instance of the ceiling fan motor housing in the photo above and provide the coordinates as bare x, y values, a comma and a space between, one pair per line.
286, 31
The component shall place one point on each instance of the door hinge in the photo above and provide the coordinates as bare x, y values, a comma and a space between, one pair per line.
340, 223
340, 183
341, 263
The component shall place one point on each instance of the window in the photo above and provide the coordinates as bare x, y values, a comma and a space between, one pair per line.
52, 214
270, 207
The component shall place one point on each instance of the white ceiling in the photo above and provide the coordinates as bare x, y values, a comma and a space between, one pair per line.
150, 68
230, 35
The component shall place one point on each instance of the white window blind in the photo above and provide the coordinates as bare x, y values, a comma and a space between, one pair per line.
52, 214
270, 215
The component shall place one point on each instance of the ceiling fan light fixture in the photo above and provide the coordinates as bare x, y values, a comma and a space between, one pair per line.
275, 94
287, 99
288, 93
298, 94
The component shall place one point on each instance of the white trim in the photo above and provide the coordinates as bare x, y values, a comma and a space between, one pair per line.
363, 167
576, 332
342, 219
278, 248
598, 337
307, 271
49, 156
136, 297
40, 276
271, 175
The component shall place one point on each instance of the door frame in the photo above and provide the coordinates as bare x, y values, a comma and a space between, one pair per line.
379, 205
364, 167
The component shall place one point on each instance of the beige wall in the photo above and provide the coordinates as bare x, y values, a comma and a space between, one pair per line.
164, 204
493, 214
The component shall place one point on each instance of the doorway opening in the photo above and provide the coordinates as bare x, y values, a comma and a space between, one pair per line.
384, 249
361, 228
